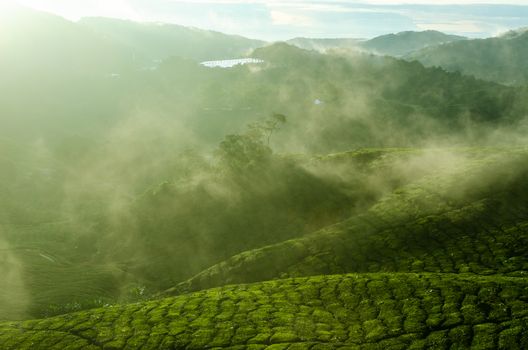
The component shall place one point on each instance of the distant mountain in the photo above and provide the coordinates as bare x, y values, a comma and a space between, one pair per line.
325, 44
511, 34
102, 45
397, 45
44, 44
157, 41
503, 59
53, 69
403, 43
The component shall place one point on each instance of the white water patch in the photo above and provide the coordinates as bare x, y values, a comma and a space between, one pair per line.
231, 63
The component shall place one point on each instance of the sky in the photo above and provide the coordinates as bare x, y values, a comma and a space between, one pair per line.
285, 19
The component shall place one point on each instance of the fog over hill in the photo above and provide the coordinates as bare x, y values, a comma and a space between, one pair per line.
501, 59
399, 44
404, 43
167, 187
158, 41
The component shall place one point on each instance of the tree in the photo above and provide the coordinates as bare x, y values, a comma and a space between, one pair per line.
267, 127
248, 150
242, 152
273, 124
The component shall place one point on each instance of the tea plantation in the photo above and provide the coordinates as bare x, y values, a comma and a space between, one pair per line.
440, 263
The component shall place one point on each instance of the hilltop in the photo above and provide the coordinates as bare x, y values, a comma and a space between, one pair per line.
156, 42
396, 45
501, 59
404, 43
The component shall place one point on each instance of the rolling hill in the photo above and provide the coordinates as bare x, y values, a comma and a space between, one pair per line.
50, 97
501, 59
396, 45
428, 266
106, 45
371, 311
75, 156
304, 201
156, 42
441, 223
404, 43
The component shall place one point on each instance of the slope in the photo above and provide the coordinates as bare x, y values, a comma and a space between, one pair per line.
38, 44
158, 41
501, 59
397, 45
47, 270
404, 43
470, 219
369, 311
439, 263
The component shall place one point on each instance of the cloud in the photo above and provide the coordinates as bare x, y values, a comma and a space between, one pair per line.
290, 19
222, 22
75, 9
280, 20
444, 2
358, 2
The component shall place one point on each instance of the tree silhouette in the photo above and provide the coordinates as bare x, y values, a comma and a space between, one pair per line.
267, 127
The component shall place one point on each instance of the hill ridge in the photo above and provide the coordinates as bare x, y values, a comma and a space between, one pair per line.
391, 236
363, 311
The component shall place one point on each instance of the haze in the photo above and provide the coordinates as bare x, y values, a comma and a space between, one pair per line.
279, 20
357, 180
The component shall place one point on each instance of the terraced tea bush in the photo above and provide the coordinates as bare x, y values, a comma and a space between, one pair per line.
354, 311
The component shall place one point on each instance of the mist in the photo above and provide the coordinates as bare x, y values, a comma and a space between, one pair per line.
131, 171
14, 299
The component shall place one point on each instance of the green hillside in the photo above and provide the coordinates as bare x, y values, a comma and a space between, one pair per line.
439, 262
446, 223
317, 198
369, 311
53, 69
404, 43
340, 100
155, 42
397, 45
501, 59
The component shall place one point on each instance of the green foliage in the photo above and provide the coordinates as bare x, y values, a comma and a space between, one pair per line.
109, 194
248, 152
248, 198
220, 317
443, 223
501, 59
240, 153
